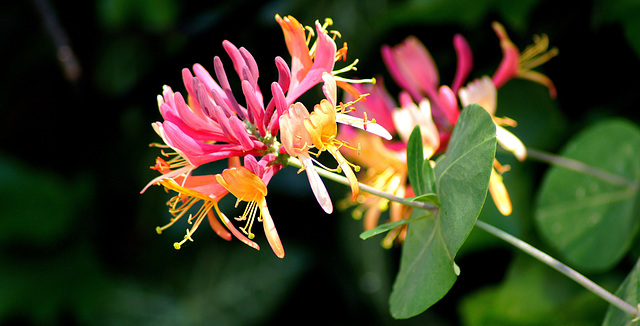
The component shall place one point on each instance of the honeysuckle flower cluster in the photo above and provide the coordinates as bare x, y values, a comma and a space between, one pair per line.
435, 108
209, 124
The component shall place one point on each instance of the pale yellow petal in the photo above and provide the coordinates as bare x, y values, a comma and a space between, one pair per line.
499, 193
511, 143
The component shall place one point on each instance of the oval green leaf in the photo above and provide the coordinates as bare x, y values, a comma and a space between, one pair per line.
427, 270
590, 220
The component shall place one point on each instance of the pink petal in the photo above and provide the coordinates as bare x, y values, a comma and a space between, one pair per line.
204, 77
284, 75
465, 61
254, 107
323, 62
280, 105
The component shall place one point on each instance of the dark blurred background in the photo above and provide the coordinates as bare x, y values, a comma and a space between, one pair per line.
77, 240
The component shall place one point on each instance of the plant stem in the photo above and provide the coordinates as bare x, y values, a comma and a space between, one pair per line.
560, 267
527, 248
343, 180
579, 167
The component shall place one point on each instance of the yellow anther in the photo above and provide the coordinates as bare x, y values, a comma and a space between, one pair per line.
327, 22
536, 53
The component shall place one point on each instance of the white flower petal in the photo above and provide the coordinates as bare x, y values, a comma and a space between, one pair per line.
480, 91
511, 143
329, 88
317, 186
359, 123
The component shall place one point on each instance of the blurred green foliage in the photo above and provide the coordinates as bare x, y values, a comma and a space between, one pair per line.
78, 245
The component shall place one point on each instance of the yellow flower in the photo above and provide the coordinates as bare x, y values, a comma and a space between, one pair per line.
297, 142
386, 170
322, 128
301, 131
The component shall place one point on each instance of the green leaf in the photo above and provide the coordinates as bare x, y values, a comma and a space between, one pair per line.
429, 176
415, 162
391, 225
589, 220
628, 291
430, 198
427, 270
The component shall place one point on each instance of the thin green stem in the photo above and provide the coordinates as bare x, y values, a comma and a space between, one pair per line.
579, 167
525, 247
560, 267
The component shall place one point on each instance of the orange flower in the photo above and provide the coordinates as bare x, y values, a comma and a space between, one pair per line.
246, 186
209, 190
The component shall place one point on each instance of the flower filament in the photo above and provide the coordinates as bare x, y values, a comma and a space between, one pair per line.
180, 204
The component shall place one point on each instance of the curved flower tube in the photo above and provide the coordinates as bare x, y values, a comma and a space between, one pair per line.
414, 70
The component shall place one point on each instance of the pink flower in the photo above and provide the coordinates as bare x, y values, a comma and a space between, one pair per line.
414, 70
209, 123
310, 61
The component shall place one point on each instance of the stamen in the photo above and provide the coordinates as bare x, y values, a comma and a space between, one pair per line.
343, 106
504, 121
177, 213
327, 22
342, 53
501, 169
352, 81
158, 145
249, 215
337, 170
536, 54
350, 67
310, 35
178, 245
